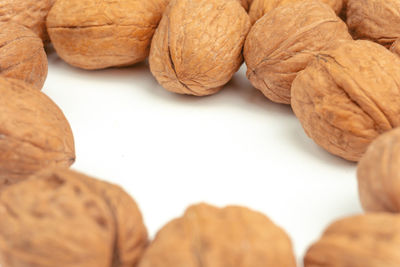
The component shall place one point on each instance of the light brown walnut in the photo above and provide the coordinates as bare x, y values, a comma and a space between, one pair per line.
63, 218
375, 20
34, 133
347, 97
370, 240
30, 13
379, 174
22, 55
198, 45
284, 41
261, 7
395, 48
93, 34
210, 236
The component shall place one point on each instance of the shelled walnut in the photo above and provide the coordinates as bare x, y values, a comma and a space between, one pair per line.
22, 55
30, 13
261, 7
376, 20
63, 218
379, 174
34, 132
284, 41
95, 34
210, 236
198, 45
371, 240
347, 97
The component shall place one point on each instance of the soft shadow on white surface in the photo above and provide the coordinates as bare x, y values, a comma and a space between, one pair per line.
169, 151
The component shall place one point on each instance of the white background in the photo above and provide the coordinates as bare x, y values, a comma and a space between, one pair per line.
169, 151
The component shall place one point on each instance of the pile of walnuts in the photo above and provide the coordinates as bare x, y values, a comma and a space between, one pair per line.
336, 62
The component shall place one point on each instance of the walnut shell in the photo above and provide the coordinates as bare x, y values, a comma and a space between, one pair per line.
30, 13
93, 34
210, 236
198, 45
395, 48
63, 218
375, 20
347, 97
379, 174
261, 7
371, 240
285, 40
22, 55
246, 4
34, 133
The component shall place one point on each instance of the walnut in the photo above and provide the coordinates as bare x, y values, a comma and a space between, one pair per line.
22, 55
379, 173
34, 133
347, 97
30, 13
285, 40
371, 240
246, 4
375, 20
95, 34
261, 7
63, 218
395, 48
210, 236
198, 45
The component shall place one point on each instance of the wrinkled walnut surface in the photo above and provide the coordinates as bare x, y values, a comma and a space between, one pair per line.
375, 20
30, 13
285, 40
246, 4
62, 218
379, 174
93, 34
22, 55
209, 236
261, 7
371, 240
395, 48
198, 45
347, 97
34, 132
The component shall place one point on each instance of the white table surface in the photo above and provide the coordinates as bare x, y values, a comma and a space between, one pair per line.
169, 151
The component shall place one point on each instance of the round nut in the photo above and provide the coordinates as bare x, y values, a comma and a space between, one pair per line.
63, 218
375, 20
22, 55
371, 240
34, 133
198, 45
285, 40
261, 7
95, 34
347, 97
379, 174
30, 13
210, 236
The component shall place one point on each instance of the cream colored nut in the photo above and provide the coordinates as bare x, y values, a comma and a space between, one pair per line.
284, 41
379, 174
63, 218
30, 13
22, 55
347, 97
198, 45
93, 34
375, 20
371, 240
210, 236
261, 7
34, 133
